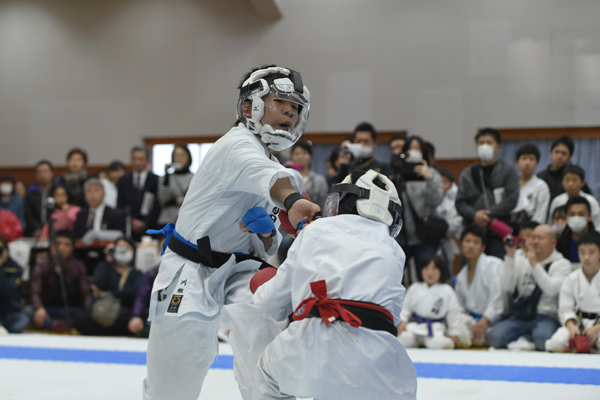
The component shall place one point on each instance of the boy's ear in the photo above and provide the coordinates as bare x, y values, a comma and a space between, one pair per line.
247, 109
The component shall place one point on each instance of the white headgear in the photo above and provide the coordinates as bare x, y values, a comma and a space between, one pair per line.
288, 88
371, 201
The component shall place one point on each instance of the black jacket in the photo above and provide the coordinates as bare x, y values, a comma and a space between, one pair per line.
10, 278
128, 199
112, 219
564, 241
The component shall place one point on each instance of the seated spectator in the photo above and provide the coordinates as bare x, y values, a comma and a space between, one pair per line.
76, 175
431, 314
478, 285
12, 320
9, 200
137, 192
96, 215
364, 141
534, 279
447, 210
114, 277
573, 182
420, 192
579, 299
173, 186
10, 225
46, 297
139, 324
64, 214
534, 196
559, 219
21, 189
488, 190
560, 152
36, 210
116, 169
579, 221
314, 184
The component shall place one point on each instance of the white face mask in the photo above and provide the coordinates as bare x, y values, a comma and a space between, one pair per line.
123, 255
414, 156
360, 151
6, 188
485, 152
577, 224
559, 228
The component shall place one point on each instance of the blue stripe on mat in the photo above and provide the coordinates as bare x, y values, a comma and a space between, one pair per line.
510, 373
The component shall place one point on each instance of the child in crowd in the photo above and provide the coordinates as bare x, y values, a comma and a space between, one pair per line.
431, 312
579, 299
64, 215
559, 219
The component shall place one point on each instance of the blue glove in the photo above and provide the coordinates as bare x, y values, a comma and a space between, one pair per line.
258, 220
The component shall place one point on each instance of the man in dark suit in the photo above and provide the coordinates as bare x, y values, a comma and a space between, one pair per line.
138, 194
96, 215
36, 212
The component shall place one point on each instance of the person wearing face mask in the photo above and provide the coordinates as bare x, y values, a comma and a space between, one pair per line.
579, 221
114, 277
9, 200
173, 186
559, 219
489, 189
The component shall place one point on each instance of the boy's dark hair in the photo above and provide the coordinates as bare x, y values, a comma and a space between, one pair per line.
557, 210
489, 132
574, 169
397, 137
590, 237
446, 174
439, 263
567, 141
116, 166
80, 151
7, 178
303, 145
430, 149
578, 200
425, 151
529, 149
66, 233
333, 156
365, 127
46, 162
528, 225
62, 186
141, 148
476, 230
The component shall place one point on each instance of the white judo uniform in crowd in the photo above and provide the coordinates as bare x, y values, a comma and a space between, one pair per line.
577, 295
358, 260
236, 175
438, 302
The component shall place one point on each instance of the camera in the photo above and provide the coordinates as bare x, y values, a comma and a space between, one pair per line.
515, 240
404, 168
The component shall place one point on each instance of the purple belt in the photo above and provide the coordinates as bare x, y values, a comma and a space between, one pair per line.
421, 320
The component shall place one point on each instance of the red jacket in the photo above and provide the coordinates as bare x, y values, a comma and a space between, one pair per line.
10, 225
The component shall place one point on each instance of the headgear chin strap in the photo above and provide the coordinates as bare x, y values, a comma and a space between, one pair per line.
288, 88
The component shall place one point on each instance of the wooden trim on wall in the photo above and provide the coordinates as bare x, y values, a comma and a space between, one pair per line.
27, 173
549, 133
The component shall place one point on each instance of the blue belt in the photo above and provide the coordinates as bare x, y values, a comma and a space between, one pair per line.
421, 320
476, 316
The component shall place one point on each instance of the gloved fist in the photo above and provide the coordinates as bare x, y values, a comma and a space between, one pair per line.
258, 220
262, 276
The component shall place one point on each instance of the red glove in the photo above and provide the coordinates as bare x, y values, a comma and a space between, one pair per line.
262, 276
285, 221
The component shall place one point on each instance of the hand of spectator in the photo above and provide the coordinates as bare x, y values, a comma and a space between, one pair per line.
510, 249
532, 258
107, 253
344, 158
138, 226
96, 292
454, 339
65, 207
480, 328
401, 327
573, 329
424, 170
136, 324
39, 317
303, 210
37, 234
482, 218
591, 333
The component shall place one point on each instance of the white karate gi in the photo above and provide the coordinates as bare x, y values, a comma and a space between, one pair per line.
435, 302
447, 210
235, 176
562, 199
576, 294
517, 272
359, 261
534, 198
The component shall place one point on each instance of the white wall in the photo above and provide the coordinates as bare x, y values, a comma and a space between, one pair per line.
102, 74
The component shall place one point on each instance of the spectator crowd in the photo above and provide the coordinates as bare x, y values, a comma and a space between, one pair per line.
528, 245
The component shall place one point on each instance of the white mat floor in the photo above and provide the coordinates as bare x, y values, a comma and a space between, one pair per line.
501, 375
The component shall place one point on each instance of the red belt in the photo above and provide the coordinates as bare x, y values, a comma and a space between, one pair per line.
331, 309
